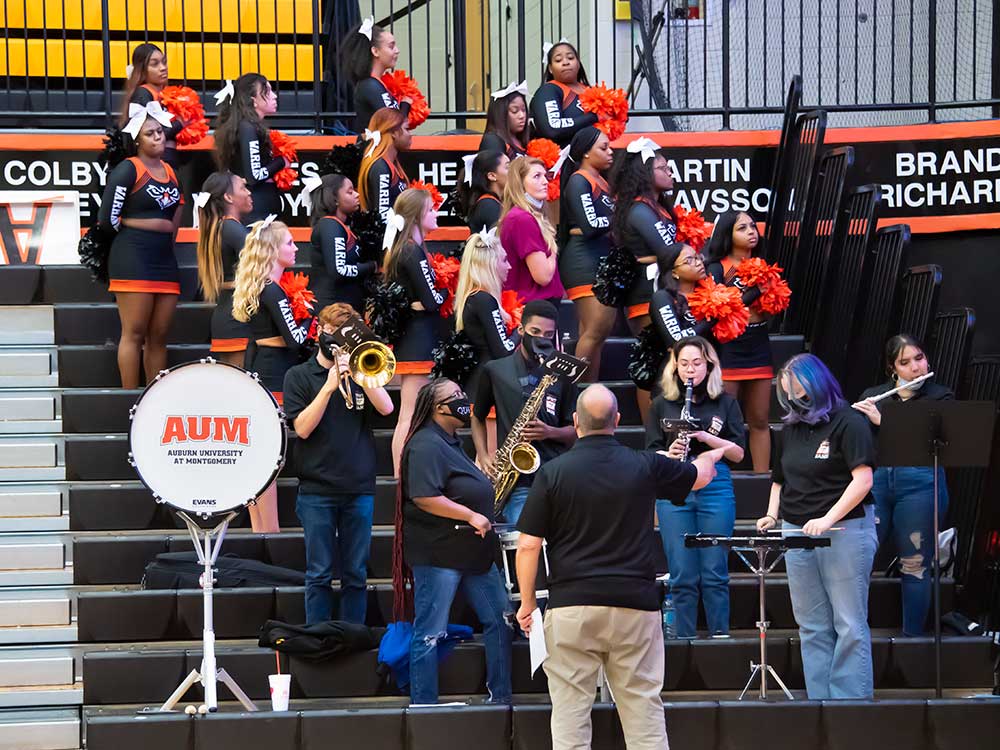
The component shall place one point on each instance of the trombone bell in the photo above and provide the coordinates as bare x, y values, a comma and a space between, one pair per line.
372, 364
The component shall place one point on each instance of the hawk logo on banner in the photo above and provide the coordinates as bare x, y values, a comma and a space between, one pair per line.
164, 196
20, 240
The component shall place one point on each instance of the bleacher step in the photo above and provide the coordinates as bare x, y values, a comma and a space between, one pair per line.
28, 367
23, 325
40, 730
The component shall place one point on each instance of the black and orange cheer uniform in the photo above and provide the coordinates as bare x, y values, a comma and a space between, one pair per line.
338, 273
229, 334
255, 164
141, 260
673, 321
649, 230
588, 208
483, 323
424, 329
371, 95
747, 357
486, 213
274, 317
557, 114
493, 142
145, 94
385, 184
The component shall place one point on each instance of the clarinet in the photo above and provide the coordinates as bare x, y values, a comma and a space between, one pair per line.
685, 435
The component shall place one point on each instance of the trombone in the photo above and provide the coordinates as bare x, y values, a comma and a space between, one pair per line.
370, 364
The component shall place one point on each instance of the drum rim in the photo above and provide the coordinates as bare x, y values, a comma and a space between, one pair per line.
277, 407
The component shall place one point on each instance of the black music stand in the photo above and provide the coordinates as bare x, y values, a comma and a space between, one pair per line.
948, 434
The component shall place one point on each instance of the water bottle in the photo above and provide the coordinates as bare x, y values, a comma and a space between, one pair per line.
669, 615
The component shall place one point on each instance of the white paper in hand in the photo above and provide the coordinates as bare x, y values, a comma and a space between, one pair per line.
536, 641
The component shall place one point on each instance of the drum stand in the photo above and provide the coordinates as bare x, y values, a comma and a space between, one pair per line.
209, 674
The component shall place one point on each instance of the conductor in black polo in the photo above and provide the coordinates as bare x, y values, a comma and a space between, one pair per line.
594, 506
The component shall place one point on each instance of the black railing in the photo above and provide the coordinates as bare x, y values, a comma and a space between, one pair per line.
706, 65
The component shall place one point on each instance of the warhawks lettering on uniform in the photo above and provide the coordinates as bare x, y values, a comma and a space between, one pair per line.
502, 330
340, 258
429, 278
591, 213
259, 172
555, 118
286, 313
117, 203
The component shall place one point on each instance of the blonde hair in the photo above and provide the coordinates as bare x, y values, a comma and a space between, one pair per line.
672, 389
259, 255
388, 122
515, 195
411, 205
209, 251
478, 272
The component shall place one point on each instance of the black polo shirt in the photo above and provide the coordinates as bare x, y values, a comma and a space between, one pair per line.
594, 507
338, 457
717, 416
507, 384
435, 464
813, 463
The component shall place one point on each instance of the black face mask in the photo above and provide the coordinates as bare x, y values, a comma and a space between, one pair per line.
328, 345
538, 347
460, 409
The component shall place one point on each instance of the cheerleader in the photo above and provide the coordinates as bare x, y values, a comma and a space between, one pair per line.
507, 126
587, 209
555, 107
220, 241
279, 342
141, 204
367, 52
408, 263
147, 78
746, 361
680, 270
712, 509
338, 273
243, 142
382, 178
480, 193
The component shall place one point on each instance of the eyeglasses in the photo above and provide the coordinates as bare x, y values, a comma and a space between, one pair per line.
663, 168
694, 260
452, 397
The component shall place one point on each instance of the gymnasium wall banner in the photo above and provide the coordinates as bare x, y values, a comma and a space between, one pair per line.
39, 226
936, 178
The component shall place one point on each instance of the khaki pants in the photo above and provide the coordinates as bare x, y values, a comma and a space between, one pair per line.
629, 644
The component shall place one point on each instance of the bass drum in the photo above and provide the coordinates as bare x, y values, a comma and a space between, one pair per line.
206, 437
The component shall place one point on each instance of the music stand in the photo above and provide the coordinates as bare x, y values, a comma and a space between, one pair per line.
941, 434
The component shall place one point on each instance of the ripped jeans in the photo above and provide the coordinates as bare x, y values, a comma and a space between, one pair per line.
433, 592
904, 507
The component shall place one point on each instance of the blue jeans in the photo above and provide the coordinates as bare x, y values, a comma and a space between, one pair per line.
433, 592
710, 510
515, 504
343, 521
829, 589
904, 507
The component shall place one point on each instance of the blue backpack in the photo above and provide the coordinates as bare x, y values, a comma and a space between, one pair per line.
394, 649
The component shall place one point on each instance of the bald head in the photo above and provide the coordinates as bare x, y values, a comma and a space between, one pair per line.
596, 411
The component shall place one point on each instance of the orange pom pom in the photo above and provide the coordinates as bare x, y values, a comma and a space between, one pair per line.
296, 286
183, 103
513, 305
544, 149
283, 145
774, 299
432, 189
446, 270
554, 190
721, 303
757, 271
401, 86
610, 106
692, 229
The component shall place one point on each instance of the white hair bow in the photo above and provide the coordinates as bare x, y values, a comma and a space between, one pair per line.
367, 26
645, 146
563, 155
226, 92
200, 200
548, 46
308, 185
137, 114
375, 136
394, 224
467, 160
488, 236
261, 225
513, 88
128, 70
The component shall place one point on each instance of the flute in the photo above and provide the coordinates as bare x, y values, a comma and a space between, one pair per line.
894, 391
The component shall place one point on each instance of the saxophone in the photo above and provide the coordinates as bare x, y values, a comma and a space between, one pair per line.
517, 456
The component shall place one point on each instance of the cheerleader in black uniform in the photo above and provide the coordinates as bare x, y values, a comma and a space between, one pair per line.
220, 241
279, 342
382, 178
480, 195
408, 263
243, 143
367, 52
585, 239
746, 361
555, 107
141, 202
338, 273
507, 127
145, 81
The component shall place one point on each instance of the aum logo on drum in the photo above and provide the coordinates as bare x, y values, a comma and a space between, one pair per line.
219, 429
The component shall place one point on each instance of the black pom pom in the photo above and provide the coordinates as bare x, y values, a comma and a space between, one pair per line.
345, 160
615, 275
115, 151
455, 358
645, 357
94, 249
387, 310
369, 228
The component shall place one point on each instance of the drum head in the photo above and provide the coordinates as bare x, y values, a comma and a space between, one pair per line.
206, 437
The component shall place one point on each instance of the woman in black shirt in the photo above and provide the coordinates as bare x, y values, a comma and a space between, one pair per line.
480, 193
508, 129
243, 142
146, 80
712, 509
904, 495
382, 179
367, 52
555, 107
821, 480
338, 273
444, 510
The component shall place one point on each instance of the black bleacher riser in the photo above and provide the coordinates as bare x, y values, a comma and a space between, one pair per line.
93, 366
99, 324
19, 284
